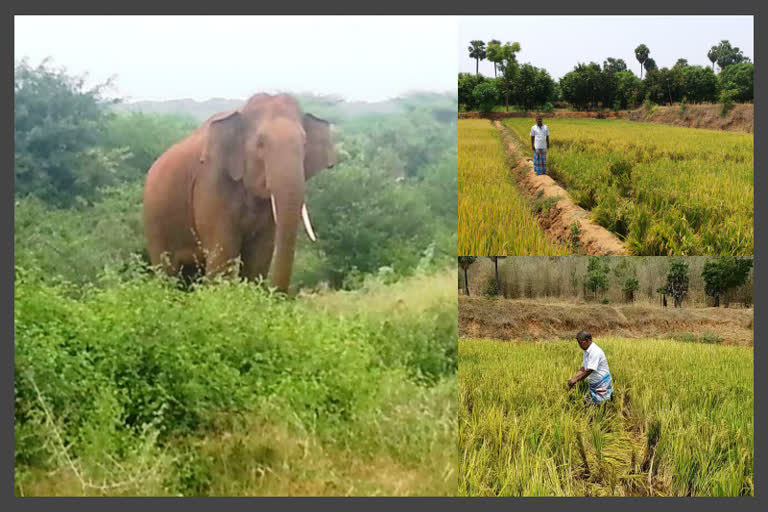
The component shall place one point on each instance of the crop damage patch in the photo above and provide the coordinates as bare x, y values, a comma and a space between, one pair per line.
564, 221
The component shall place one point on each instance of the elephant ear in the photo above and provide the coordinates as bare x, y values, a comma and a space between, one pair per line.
319, 151
224, 143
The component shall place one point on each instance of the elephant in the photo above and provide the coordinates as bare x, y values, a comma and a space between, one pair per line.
235, 188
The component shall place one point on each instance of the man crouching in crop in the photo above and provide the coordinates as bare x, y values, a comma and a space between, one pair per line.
594, 367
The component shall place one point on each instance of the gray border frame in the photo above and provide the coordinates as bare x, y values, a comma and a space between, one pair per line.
454, 7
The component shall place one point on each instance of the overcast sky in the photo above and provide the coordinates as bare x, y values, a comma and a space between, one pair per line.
170, 57
558, 43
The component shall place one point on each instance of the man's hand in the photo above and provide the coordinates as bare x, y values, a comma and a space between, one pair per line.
571, 383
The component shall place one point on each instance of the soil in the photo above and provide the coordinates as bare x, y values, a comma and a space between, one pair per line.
594, 239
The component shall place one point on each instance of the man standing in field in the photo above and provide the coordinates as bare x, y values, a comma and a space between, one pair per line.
594, 368
539, 145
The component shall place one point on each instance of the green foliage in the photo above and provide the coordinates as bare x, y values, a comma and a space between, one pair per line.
726, 55
533, 87
58, 129
467, 84
726, 101
477, 51
723, 274
740, 78
485, 96
596, 278
143, 366
583, 87
641, 54
677, 280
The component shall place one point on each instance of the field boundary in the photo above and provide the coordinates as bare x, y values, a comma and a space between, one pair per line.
532, 320
557, 221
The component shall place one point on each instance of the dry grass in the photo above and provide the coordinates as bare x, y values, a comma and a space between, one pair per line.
740, 119
533, 320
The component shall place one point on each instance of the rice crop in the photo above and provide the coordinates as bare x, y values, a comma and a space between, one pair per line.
680, 422
494, 219
667, 190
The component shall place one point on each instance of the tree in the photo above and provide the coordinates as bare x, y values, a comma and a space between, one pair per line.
612, 65
485, 96
582, 87
740, 78
477, 51
467, 84
597, 275
493, 54
723, 274
677, 281
626, 274
641, 54
59, 127
495, 260
464, 263
681, 63
728, 55
629, 89
700, 84
509, 71
533, 87
712, 56
649, 64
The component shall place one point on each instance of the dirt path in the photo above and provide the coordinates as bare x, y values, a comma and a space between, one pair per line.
594, 239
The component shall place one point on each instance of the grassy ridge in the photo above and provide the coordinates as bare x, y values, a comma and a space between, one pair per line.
681, 422
142, 389
494, 219
668, 190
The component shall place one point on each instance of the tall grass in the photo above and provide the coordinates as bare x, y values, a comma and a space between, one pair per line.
494, 219
680, 423
138, 388
668, 190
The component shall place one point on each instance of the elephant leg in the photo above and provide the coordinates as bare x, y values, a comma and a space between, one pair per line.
257, 255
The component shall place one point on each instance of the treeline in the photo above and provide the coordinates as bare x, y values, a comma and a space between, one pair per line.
619, 279
387, 209
610, 86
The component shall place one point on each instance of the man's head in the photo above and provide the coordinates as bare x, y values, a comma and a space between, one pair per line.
584, 339
538, 120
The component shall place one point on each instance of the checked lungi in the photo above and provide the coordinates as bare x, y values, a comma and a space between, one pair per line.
602, 390
540, 161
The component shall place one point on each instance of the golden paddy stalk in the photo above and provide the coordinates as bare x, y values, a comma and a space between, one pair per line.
667, 190
680, 423
494, 219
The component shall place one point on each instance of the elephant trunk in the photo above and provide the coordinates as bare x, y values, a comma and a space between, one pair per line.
287, 202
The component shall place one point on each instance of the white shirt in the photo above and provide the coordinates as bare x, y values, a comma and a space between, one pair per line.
594, 359
540, 134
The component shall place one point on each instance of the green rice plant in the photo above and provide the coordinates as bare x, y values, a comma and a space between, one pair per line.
493, 217
680, 422
667, 190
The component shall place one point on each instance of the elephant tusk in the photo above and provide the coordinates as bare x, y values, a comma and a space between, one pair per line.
274, 208
307, 223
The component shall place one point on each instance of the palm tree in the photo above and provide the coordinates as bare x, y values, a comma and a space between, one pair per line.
477, 52
464, 263
493, 54
712, 56
641, 54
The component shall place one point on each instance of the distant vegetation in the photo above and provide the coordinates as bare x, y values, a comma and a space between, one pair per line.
696, 280
613, 85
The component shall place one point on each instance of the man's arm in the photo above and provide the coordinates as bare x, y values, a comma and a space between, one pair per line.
533, 147
547, 142
578, 376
